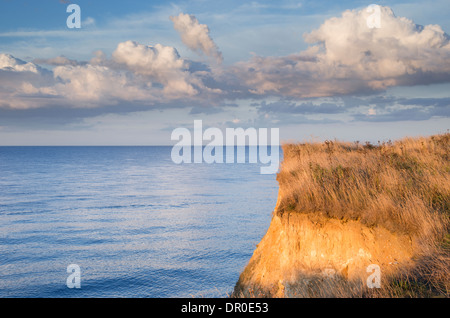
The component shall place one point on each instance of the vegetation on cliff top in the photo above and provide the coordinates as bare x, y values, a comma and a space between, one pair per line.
403, 186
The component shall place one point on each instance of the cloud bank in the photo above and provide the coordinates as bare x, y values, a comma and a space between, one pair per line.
348, 57
345, 57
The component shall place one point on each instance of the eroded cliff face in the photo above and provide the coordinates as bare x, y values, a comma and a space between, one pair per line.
346, 210
309, 255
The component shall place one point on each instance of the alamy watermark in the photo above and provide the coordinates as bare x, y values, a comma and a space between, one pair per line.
74, 19
374, 279
74, 279
190, 148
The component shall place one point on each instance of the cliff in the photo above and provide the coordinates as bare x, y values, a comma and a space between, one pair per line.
347, 212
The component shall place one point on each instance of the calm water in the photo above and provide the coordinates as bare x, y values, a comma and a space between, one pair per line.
137, 224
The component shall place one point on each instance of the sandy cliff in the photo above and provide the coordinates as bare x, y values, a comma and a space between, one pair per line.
304, 256
313, 250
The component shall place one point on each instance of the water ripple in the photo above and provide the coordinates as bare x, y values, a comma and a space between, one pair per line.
136, 224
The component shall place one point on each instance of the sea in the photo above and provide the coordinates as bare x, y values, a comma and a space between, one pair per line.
132, 221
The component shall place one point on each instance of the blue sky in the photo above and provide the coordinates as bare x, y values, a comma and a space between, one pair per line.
132, 74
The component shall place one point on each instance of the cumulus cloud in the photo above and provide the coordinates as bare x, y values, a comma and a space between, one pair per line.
19, 82
10, 63
25, 85
136, 73
93, 85
160, 63
348, 57
196, 36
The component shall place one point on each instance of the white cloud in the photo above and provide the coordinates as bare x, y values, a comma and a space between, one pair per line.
349, 57
160, 63
397, 48
195, 35
94, 85
136, 73
10, 63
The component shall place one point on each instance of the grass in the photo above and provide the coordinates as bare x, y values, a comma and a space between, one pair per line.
403, 186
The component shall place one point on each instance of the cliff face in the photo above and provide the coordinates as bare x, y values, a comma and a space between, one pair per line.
343, 214
314, 256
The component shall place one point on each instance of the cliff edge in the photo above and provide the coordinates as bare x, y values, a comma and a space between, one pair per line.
357, 221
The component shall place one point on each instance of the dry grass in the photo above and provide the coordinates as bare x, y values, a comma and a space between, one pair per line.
403, 186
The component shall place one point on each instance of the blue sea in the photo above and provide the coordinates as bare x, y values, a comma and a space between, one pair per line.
137, 224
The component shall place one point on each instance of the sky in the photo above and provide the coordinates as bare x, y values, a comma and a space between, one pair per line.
136, 70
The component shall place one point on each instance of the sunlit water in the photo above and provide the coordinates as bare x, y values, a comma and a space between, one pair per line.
137, 224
